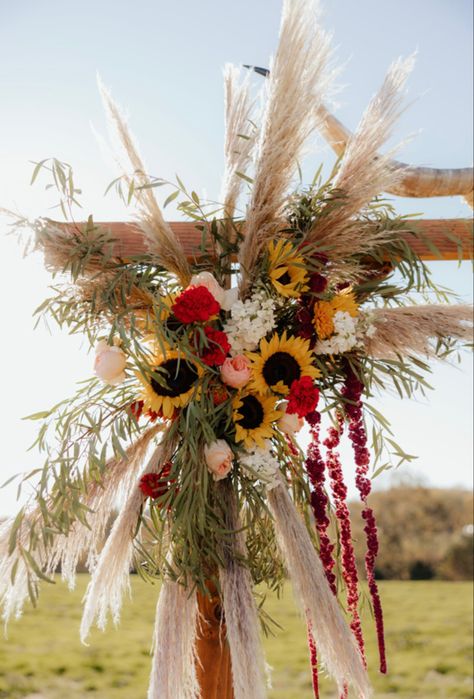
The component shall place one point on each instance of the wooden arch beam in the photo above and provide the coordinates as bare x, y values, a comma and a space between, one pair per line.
435, 239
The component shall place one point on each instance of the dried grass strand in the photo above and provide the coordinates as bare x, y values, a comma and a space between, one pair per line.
239, 139
110, 578
416, 330
173, 673
161, 240
248, 664
120, 476
59, 243
299, 78
334, 639
363, 172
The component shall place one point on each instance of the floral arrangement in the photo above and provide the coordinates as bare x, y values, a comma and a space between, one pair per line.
206, 369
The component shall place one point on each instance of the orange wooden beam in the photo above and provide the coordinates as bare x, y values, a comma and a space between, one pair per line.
437, 239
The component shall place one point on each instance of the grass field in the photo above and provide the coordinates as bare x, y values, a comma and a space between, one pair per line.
429, 631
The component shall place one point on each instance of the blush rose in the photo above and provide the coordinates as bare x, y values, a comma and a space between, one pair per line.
219, 457
289, 423
109, 363
236, 371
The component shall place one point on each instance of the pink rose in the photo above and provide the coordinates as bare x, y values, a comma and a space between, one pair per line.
289, 423
212, 285
219, 458
236, 371
109, 363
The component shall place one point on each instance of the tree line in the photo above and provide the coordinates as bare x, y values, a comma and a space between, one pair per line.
425, 533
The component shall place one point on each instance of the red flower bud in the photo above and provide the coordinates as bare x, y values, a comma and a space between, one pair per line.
153, 485
136, 408
318, 283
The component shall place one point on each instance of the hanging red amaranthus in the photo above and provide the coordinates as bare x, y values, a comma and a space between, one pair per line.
313, 657
352, 392
315, 467
339, 490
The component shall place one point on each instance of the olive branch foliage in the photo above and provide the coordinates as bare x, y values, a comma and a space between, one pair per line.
128, 299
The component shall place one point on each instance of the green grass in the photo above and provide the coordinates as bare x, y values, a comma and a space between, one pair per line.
429, 631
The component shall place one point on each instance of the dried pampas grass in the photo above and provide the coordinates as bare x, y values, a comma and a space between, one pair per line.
61, 246
239, 139
102, 293
13, 589
334, 639
161, 240
101, 497
415, 330
173, 673
248, 665
110, 578
363, 173
299, 77
120, 475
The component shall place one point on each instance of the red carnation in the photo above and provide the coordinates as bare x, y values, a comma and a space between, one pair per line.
218, 347
195, 305
303, 397
153, 485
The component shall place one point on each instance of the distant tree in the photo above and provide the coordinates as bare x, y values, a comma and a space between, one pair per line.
458, 563
420, 531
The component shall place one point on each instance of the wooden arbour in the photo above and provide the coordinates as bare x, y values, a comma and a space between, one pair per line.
433, 239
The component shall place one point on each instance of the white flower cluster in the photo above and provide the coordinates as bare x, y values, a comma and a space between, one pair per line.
260, 464
250, 321
348, 333
345, 335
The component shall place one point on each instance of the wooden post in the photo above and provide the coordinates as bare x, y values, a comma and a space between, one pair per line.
214, 668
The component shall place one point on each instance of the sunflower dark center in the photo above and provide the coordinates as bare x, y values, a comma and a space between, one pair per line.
252, 413
178, 377
281, 366
284, 279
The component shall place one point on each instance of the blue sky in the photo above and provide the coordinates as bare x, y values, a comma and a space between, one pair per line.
163, 62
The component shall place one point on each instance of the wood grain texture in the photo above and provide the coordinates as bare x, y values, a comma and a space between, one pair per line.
436, 239
214, 668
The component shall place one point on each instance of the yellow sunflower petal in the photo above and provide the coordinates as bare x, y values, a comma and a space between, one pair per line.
287, 270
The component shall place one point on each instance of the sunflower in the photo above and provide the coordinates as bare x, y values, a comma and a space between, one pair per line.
253, 417
171, 383
286, 269
324, 312
281, 361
